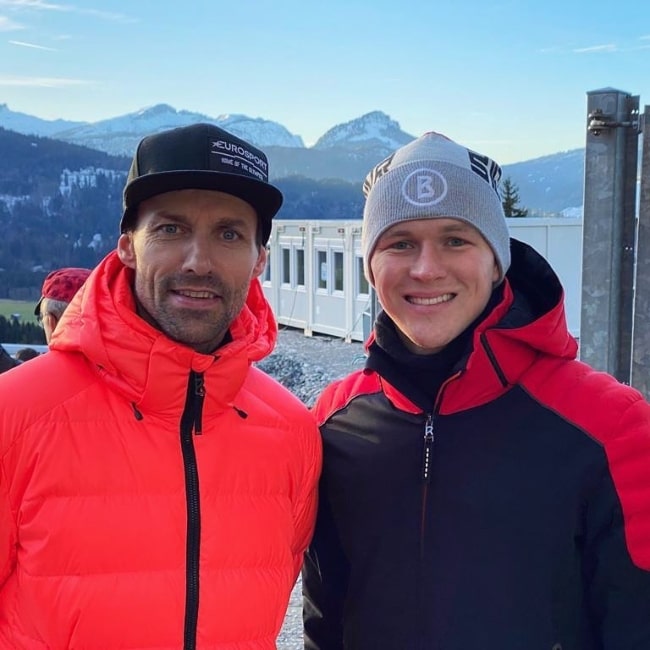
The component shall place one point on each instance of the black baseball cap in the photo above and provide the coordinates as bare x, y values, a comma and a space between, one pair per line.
201, 157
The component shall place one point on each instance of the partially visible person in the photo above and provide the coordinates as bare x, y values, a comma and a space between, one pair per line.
25, 354
161, 491
59, 288
7, 362
481, 488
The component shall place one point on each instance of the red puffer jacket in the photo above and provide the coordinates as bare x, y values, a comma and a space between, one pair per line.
150, 496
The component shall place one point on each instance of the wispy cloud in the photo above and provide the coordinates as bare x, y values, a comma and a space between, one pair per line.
31, 4
106, 15
41, 82
33, 45
609, 47
604, 48
8, 25
43, 5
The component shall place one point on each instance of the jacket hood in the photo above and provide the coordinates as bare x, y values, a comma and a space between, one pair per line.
528, 324
140, 361
532, 311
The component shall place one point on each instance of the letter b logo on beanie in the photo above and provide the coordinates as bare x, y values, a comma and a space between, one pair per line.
424, 187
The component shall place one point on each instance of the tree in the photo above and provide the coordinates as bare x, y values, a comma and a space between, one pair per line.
510, 200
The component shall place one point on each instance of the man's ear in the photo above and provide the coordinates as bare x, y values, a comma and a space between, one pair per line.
50, 321
125, 250
260, 265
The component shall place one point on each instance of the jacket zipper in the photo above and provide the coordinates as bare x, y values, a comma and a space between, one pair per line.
191, 422
425, 476
427, 454
427, 462
427, 458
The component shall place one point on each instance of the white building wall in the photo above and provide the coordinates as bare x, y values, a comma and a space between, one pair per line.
314, 278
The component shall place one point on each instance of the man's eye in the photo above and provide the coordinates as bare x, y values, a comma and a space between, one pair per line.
230, 235
169, 229
456, 241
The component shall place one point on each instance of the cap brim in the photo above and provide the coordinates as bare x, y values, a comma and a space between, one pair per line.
37, 309
263, 197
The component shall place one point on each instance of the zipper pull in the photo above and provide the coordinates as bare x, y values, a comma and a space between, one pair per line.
199, 385
427, 455
199, 394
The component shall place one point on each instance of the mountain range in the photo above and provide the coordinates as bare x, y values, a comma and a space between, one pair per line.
346, 152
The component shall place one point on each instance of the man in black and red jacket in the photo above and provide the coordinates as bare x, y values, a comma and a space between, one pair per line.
482, 489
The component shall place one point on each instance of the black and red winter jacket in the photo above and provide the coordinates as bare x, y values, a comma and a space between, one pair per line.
514, 514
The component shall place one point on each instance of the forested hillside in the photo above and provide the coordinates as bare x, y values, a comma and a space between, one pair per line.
45, 227
60, 205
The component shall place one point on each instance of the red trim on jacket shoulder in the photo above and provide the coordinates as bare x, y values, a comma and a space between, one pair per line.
340, 393
616, 416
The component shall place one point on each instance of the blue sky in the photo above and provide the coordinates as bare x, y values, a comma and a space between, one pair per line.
506, 78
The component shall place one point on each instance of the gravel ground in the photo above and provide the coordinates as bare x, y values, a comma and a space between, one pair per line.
305, 365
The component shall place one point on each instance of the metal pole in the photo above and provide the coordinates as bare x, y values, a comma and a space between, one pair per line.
641, 340
608, 250
628, 239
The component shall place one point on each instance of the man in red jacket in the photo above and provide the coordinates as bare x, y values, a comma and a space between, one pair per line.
481, 488
157, 490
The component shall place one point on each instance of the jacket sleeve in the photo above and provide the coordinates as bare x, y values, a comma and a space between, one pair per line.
7, 529
324, 584
307, 496
617, 540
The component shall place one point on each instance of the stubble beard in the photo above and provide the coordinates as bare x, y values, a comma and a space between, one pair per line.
200, 330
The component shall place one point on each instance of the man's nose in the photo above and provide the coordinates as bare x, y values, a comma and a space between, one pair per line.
199, 256
428, 264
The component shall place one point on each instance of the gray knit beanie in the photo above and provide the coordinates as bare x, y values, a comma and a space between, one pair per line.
435, 177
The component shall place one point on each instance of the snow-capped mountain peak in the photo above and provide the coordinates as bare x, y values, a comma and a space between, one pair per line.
157, 109
370, 130
120, 135
261, 132
347, 151
30, 125
152, 119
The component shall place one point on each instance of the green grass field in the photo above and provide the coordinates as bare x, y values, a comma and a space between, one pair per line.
23, 307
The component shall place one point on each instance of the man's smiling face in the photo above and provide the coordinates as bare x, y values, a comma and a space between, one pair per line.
194, 253
433, 278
